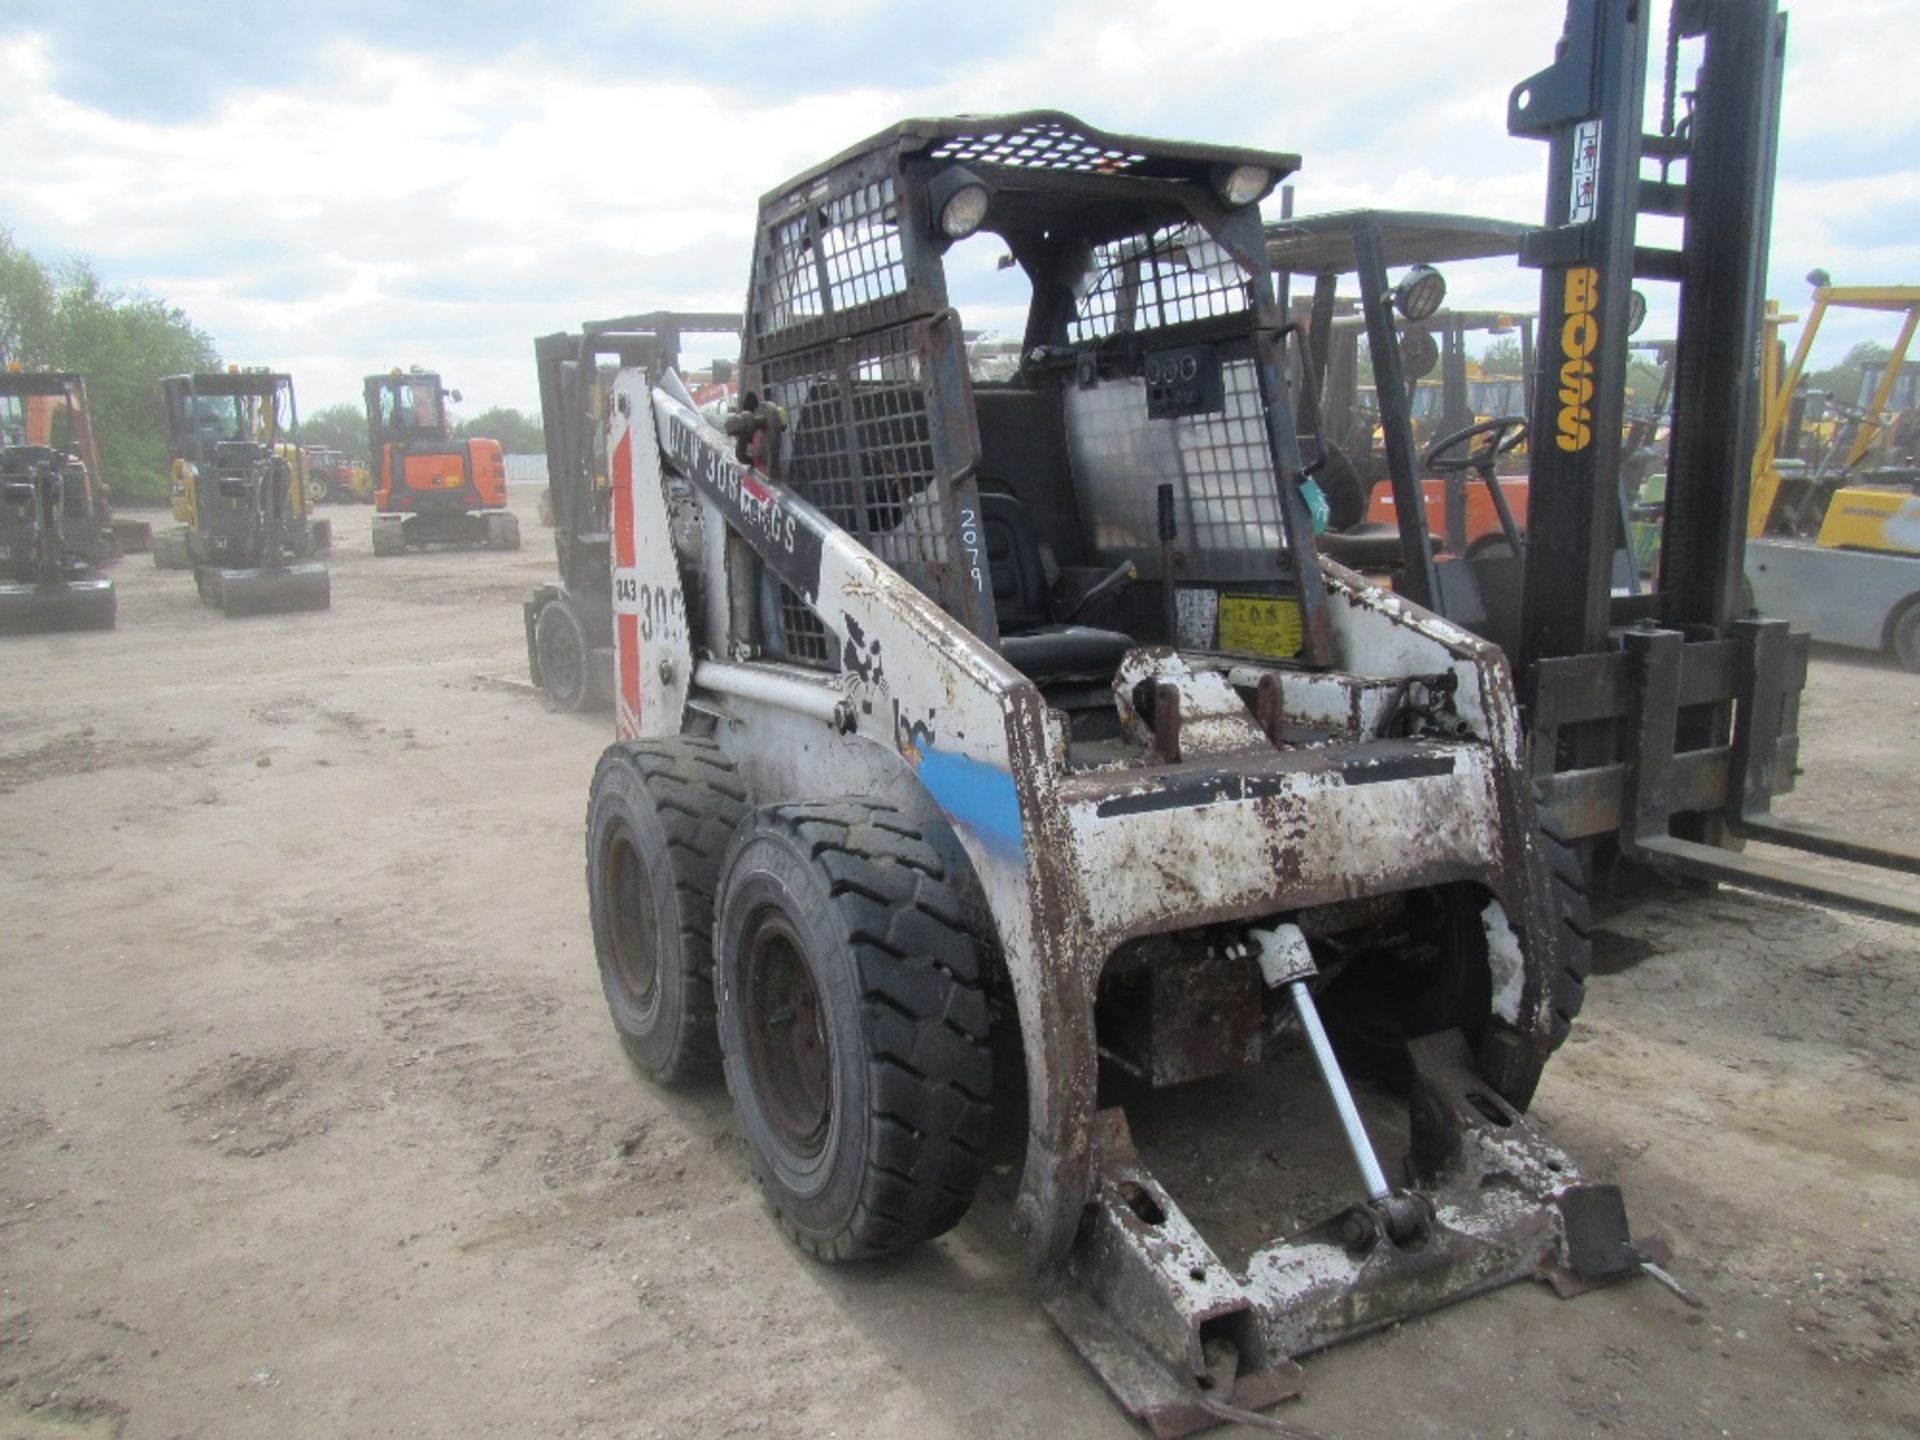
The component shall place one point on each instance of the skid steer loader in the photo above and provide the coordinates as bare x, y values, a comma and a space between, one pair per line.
239, 489
429, 488
54, 525
944, 701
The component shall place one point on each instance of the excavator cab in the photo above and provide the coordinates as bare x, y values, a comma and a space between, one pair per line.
53, 514
239, 482
431, 489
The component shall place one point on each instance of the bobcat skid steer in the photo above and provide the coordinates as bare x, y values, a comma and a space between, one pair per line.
942, 700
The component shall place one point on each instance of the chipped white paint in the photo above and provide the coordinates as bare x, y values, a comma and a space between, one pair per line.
1505, 960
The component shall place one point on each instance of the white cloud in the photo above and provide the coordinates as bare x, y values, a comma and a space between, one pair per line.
386, 207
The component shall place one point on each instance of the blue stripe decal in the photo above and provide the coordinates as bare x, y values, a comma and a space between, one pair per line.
977, 796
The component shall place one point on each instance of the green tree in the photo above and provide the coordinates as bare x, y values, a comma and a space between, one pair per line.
26, 304
1842, 381
518, 434
123, 343
340, 427
1502, 356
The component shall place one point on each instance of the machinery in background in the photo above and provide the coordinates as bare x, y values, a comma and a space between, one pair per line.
54, 519
1345, 435
239, 489
337, 478
1834, 545
1662, 717
432, 489
570, 620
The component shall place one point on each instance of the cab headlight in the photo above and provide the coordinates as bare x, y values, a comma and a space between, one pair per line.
1239, 185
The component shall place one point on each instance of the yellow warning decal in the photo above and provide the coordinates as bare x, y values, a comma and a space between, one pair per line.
1260, 625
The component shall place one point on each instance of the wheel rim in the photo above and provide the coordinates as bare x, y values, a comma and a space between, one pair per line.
787, 1047
634, 923
560, 661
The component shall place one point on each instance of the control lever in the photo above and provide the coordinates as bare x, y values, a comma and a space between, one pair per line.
1120, 574
1169, 557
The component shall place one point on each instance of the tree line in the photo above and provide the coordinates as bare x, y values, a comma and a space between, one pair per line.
122, 342
343, 427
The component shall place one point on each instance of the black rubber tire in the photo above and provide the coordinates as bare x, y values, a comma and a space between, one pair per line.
170, 551
1434, 976
501, 531
658, 821
1574, 915
560, 640
1904, 640
1340, 483
389, 537
870, 904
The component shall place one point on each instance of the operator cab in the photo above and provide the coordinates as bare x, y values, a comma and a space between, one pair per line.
1125, 475
411, 404
43, 431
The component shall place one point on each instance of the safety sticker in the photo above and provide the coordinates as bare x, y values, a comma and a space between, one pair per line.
1260, 625
1584, 193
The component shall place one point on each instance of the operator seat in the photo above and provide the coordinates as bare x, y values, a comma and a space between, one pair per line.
1370, 545
1030, 639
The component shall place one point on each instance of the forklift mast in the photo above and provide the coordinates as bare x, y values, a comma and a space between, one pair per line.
1589, 106
567, 366
1663, 718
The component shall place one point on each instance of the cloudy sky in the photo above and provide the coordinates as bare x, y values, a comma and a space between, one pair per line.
335, 188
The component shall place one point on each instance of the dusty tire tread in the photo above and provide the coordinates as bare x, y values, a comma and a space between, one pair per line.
700, 804
1574, 915
917, 968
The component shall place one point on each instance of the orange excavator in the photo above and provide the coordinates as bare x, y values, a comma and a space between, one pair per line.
431, 488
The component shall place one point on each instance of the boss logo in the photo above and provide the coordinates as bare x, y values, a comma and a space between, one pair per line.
1579, 337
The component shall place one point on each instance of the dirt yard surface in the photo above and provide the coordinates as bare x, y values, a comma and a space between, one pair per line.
312, 1122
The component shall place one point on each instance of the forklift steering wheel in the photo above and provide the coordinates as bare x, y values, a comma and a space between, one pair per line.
1503, 432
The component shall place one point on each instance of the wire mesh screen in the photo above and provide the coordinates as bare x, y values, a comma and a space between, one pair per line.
1177, 274
1041, 145
860, 240
786, 282
827, 258
805, 639
862, 447
1226, 496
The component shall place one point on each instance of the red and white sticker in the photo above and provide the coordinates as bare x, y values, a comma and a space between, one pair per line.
1583, 195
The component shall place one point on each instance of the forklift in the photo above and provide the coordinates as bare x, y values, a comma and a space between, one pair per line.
431, 489
239, 490
54, 535
1350, 429
1835, 545
1662, 717
570, 621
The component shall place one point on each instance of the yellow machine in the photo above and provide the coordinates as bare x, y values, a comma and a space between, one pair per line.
1872, 517
1874, 420
239, 486
1837, 550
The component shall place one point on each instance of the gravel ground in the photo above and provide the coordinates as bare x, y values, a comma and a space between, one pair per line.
311, 1122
